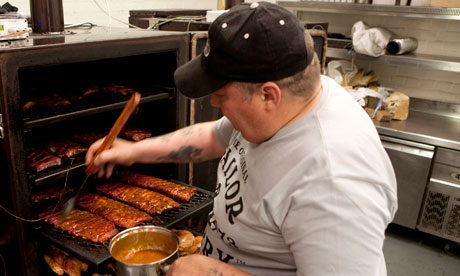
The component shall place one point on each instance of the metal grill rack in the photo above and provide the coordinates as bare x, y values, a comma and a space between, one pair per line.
94, 104
97, 254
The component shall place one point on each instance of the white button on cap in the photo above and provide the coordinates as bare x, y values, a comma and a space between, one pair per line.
224, 25
281, 22
246, 35
254, 5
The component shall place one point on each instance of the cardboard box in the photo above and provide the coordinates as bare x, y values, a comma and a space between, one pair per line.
445, 3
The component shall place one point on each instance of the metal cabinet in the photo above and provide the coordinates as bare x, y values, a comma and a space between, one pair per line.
441, 209
411, 162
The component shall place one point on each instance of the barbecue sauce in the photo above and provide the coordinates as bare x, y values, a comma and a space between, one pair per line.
142, 256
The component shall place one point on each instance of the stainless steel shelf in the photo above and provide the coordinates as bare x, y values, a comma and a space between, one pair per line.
368, 9
422, 61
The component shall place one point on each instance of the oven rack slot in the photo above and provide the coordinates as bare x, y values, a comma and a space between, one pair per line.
58, 114
43, 178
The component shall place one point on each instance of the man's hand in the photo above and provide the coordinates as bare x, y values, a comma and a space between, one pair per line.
194, 143
201, 265
121, 153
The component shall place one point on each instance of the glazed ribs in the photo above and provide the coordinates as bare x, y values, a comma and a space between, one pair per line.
40, 159
82, 224
112, 210
134, 134
109, 89
64, 148
28, 105
53, 100
168, 188
118, 89
50, 194
149, 201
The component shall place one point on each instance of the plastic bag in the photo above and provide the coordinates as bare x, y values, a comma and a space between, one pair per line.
371, 41
364, 92
340, 69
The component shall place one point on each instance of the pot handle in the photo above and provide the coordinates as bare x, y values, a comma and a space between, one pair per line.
164, 268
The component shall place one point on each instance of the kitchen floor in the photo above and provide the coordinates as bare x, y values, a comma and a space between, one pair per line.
409, 252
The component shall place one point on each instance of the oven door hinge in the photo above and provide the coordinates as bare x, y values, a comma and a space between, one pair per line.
1, 127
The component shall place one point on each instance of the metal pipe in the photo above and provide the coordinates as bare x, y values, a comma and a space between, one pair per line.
47, 16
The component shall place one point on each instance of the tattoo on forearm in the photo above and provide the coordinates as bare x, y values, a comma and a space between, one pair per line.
186, 153
214, 272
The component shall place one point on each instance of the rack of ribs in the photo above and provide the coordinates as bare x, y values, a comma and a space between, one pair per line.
50, 194
64, 148
53, 100
134, 134
118, 89
119, 213
82, 224
149, 201
168, 188
40, 159
87, 138
111, 89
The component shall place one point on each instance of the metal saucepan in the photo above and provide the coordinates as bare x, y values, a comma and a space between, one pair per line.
144, 250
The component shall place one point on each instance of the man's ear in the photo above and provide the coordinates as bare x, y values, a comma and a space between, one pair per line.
270, 94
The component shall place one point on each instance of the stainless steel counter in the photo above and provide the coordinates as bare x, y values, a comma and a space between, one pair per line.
432, 129
369, 9
428, 128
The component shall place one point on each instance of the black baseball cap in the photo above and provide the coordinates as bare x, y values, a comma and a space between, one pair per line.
255, 42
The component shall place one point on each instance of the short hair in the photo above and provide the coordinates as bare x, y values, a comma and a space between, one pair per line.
301, 84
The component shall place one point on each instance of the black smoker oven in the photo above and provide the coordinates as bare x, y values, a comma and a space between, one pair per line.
67, 65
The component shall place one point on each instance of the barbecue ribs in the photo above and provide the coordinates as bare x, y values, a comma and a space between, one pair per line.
168, 188
134, 134
53, 100
64, 148
111, 89
112, 210
50, 194
149, 201
39, 159
81, 224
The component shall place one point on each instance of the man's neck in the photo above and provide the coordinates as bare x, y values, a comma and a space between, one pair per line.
294, 109
297, 109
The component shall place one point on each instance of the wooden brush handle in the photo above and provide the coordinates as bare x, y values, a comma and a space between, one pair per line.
116, 128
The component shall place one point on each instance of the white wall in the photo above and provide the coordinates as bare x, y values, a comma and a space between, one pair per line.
438, 37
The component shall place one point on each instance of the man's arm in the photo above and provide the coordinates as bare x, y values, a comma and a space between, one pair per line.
194, 143
202, 265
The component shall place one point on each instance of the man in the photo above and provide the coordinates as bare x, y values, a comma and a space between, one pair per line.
304, 184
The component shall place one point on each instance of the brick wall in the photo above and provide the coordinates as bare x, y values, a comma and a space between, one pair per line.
435, 36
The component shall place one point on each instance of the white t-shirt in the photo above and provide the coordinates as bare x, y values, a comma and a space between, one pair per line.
315, 199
